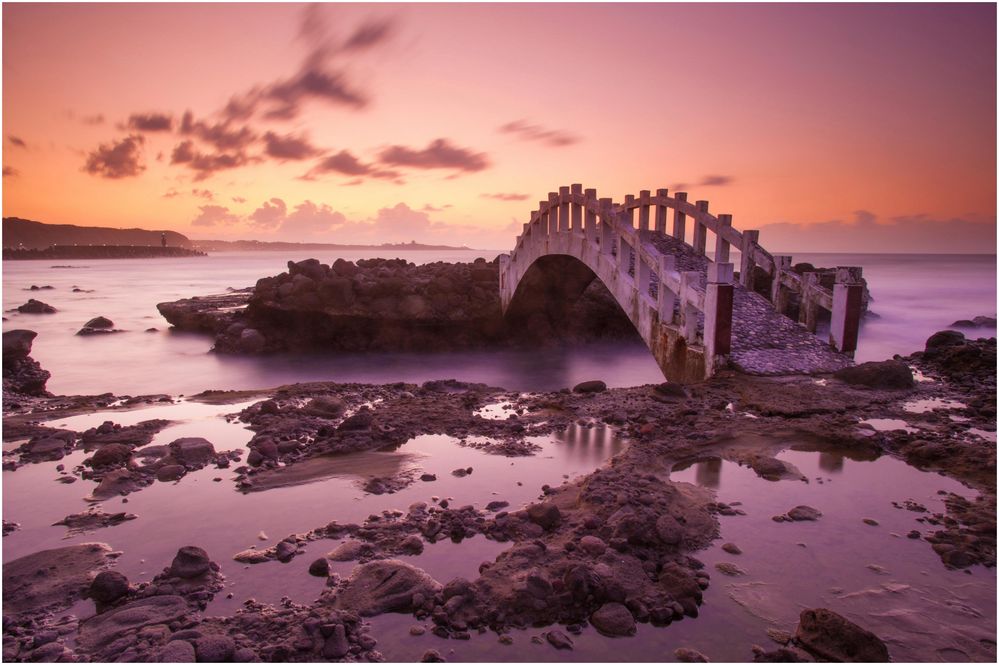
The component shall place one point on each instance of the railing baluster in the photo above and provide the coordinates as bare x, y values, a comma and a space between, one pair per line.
590, 217
577, 209
661, 211
553, 221
680, 219
748, 264
722, 245
628, 214
700, 231
563, 212
643, 212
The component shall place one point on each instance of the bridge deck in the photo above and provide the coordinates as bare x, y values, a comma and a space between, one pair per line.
763, 341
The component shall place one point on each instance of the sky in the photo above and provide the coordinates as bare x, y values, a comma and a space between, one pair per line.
828, 127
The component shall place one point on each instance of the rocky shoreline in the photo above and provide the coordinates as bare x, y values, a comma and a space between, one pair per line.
613, 549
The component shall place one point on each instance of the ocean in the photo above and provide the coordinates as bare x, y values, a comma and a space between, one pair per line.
914, 295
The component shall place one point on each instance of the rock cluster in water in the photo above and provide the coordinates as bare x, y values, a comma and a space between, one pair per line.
22, 375
386, 305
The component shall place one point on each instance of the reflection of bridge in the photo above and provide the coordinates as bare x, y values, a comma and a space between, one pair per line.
690, 310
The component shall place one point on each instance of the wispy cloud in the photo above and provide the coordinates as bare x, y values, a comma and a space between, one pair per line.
439, 154
506, 197
526, 131
118, 159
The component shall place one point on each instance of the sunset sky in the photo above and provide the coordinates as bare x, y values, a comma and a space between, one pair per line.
838, 128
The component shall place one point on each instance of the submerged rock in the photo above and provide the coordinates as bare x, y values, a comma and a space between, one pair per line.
385, 586
829, 636
36, 307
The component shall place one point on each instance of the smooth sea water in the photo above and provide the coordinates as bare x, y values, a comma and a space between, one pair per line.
914, 296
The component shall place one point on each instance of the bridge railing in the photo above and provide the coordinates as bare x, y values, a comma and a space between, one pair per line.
615, 231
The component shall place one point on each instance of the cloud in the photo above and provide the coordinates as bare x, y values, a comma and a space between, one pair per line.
525, 131
214, 215
97, 119
289, 147
706, 181
506, 197
16, 141
205, 165
430, 208
345, 163
10, 172
150, 122
222, 135
311, 219
203, 193
439, 154
865, 232
270, 214
172, 193
400, 222
238, 199
116, 159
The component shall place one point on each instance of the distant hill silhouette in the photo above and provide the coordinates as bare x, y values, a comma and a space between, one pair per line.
28, 234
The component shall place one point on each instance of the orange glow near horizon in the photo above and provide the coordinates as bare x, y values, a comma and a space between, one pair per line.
815, 120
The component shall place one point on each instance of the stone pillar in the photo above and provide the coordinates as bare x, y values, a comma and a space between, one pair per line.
808, 312
661, 211
667, 299
644, 276
688, 313
722, 245
718, 298
623, 255
628, 213
644, 198
700, 231
577, 209
778, 294
563, 212
589, 217
848, 294
748, 264
504, 269
679, 218
552, 215
606, 227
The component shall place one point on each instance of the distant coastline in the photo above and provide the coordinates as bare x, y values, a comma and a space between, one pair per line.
98, 252
270, 246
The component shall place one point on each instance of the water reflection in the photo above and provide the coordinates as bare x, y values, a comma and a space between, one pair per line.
831, 462
589, 444
706, 472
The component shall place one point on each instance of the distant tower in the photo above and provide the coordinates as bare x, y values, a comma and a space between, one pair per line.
163, 239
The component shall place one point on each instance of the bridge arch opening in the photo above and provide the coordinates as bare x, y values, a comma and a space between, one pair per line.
560, 300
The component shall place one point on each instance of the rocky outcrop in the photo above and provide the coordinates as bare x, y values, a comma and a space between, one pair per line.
829, 636
22, 375
385, 305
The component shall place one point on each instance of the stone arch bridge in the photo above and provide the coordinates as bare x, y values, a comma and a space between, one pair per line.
695, 313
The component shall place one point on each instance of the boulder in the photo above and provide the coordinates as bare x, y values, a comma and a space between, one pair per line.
590, 387
96, 326
105, 628
190, 562
170, 473
886, 374
192, 450
944, 338
51, 577
177, 651
112, 454
251, 340
613, 620
214, 648
804, 514
545, 514
829, 636
17, 344
385, 586
108, 586
36, 307
325, 407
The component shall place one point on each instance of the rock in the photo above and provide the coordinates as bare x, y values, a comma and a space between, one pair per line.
105, 628
192, 450
326, 407
870, 522
170, 472
285, 550
613, 620
108, 586
731, 548
336, 645
245, 655
177, 651
428, 477
17, 344
804, 514
885, 374
829, 636
54, 577
411, 544
559, 640
97, 326
36, 307
545, 514
361, 420
592, 545
494, 506
944, 338
190, 562
251, 340
385, 586
350, 550
432, 656
214, 648
670, 391
589, 387
684, 655
729, 568
114, 483
669, 530
320, 567
112, 454
977, 322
